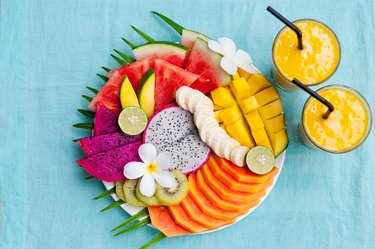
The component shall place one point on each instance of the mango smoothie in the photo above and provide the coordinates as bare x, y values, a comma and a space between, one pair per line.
312, 65
345, 128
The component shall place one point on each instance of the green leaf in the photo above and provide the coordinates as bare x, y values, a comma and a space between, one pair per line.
119, 61
153, 241
170, 22
87, 113
93, 90
89, 177
141, 33
89, 99
76, 140
126, 57
113, 205
106, 69
137, 225
105, 194
137, 216
130, 44
103, 77
88, 126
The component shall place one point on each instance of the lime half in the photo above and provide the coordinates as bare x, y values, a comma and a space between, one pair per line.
260, 160
132, 120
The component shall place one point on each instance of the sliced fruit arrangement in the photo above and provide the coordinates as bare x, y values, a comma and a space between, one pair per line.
250, 110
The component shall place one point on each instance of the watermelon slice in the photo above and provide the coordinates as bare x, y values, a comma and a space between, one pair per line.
171, 52
188, 37
168, 79
134, 71
109, 95
206, 63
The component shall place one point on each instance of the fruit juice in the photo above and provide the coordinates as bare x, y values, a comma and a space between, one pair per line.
345, 128
312, 65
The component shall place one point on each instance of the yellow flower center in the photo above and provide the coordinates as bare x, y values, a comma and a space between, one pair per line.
151, 168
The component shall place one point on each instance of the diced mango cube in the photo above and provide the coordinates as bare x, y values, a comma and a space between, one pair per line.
216, 107
248, 104
230, 115
240, 131
275, 124
222, 125
257, 83
223, 97
240, 88
267, 96
244, 73
217, 116
254, 120
236, 76
261, 138
279, 141
271, 110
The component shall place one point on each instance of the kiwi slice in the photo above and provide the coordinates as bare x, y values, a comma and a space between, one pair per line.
130, 187
119, 190
174, 195
149, 201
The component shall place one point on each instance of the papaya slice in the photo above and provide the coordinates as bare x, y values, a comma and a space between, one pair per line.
196, 214
243, 174
228, 194
229, 181
163, 220
182, 218
223, 204
206, 205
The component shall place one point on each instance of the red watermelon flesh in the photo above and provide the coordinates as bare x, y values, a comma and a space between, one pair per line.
168, 79
109, 95
206, 63
134, 71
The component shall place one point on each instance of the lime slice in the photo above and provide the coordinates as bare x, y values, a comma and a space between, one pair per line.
132, 120
260, 160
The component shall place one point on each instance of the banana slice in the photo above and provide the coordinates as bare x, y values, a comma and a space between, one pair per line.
203, 102
226, 147
215, 131
206, 126
198, 99
238, 155
182, 95
214, 139
202, 121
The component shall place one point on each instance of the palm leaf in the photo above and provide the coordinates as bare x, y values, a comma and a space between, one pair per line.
170, 22
137, 216
141, 33
89, 177
87, 113
119, 61
89, 99
137, 225
105, 194
130, 44
76, 140
93, 90
126, 57
154, 240
113, 205
88, 126
106, 69
103, 77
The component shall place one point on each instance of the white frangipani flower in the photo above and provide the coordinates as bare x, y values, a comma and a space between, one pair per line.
154, 167
232, 58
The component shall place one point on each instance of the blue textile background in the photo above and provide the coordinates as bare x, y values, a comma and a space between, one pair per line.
50, 50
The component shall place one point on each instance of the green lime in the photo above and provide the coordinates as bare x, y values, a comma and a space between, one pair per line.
132, 120
260, 160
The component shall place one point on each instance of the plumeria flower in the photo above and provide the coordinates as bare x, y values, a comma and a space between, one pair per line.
153, 167
232, 58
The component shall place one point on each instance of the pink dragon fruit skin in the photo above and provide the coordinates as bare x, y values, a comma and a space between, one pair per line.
172, 129
97, 144
109, 166
105, 121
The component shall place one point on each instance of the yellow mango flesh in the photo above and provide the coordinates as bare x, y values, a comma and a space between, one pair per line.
230, 115
279, 141
240, 131
257, 83
271, 110
275, 124
249, 104
254, 120
261, 138
222, 96
240, 89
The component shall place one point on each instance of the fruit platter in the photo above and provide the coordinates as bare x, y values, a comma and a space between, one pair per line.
188, 137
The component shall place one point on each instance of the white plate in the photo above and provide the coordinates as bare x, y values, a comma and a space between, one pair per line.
131, 210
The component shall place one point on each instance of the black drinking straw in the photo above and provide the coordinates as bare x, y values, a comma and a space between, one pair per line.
316, 96
289, 24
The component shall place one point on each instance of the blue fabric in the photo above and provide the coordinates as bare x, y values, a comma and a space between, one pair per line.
51, 50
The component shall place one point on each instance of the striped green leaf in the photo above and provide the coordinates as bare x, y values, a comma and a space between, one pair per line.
137, 216
142, 34
93, 90
126, 57
130, 44
88, 126
89, 177
87, 113
170, 22
137, 225
113, 205
103, 77
153, 241
105, 194
106, 69
119, 61
89, 99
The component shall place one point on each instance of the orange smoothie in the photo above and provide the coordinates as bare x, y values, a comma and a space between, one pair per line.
345, 128
312, 65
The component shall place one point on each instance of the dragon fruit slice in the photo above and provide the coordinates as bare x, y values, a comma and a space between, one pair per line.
102, 143
173, 130
108, 166
105, 121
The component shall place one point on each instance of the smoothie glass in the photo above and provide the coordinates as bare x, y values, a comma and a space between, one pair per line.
314, 64
348, 127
